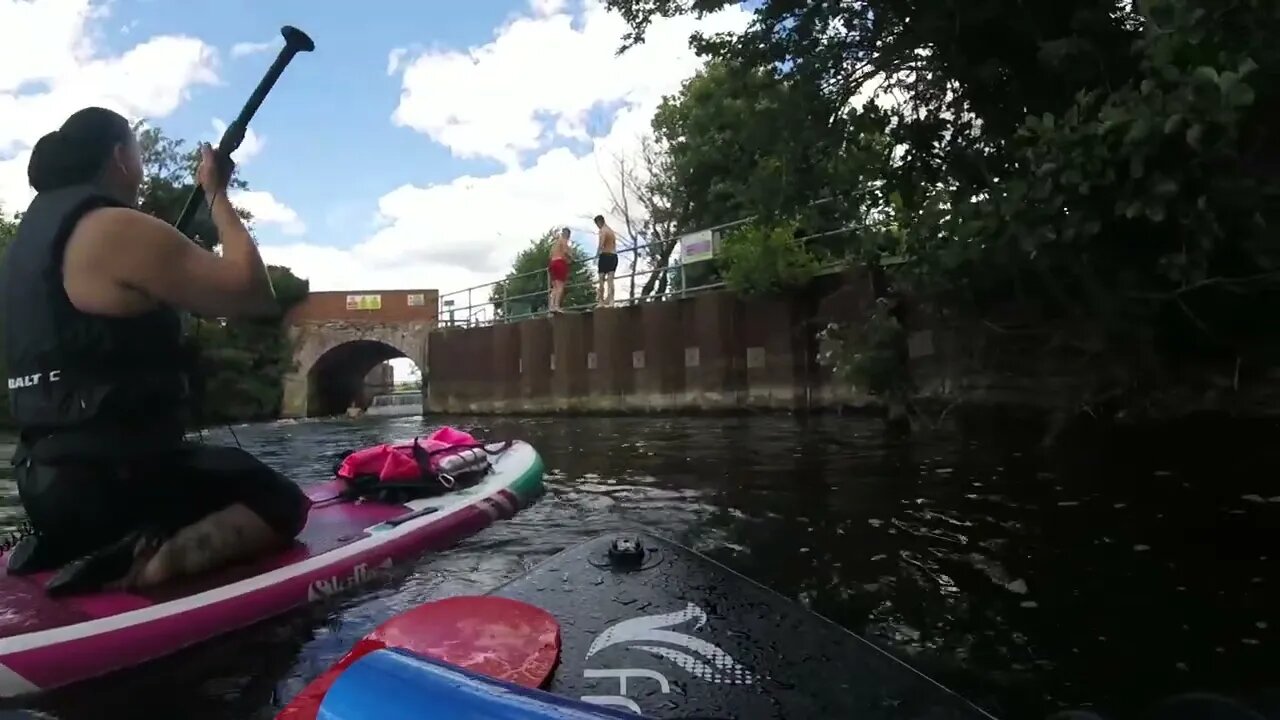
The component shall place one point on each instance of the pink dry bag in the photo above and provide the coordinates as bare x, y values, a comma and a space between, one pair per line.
427, 465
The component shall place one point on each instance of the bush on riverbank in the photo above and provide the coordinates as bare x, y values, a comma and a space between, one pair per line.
1104, 164
243, 362
760, 259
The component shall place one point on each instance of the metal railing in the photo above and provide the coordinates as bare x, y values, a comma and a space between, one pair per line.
482, 308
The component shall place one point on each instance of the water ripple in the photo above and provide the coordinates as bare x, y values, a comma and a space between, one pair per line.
1110, 575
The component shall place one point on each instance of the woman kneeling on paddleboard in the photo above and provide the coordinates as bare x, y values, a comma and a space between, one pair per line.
97, 374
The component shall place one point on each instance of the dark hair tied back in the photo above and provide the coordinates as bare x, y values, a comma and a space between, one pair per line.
76, 153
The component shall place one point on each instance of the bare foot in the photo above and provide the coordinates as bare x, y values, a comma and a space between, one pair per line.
143, 552
229, 535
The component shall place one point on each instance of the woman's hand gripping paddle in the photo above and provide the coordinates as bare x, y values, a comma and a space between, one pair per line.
501, 638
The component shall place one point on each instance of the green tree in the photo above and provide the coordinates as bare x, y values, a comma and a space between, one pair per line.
169, 169
8, 228
244, 362
643, 196
745, 143
741, 143
524, 289
1110, 162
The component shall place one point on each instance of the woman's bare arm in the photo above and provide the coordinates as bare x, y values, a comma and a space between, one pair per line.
133, 250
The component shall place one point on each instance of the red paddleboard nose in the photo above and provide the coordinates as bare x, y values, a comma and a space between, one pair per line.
501, 638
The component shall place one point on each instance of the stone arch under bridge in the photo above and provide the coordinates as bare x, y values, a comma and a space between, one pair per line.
338, 337
333, 358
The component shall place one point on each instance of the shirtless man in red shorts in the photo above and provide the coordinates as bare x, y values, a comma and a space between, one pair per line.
558, 268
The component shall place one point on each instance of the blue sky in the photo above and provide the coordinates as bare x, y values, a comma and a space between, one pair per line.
329, 112
421, 145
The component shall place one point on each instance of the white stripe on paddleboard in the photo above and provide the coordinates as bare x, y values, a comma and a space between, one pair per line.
12, 684
508, 467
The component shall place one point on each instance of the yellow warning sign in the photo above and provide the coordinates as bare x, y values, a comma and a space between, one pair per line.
364, 302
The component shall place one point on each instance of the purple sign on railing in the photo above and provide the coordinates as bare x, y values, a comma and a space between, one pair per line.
697, 246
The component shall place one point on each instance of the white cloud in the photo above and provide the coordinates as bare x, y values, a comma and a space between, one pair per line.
494, 101
249, 148
244, 49
535, 85
50, 67
395, 60
267, 210
547, 7
42, 41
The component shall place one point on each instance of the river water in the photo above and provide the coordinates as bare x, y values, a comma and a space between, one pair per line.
1108, 572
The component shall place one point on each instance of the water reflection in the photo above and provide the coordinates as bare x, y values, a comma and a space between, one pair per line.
1109, 573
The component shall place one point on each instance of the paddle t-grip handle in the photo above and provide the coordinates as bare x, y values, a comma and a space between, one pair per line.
295, 41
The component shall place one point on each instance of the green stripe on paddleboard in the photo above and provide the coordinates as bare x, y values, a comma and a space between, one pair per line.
529, 485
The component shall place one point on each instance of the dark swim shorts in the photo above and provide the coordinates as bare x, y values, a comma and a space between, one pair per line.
607, 263
80, 507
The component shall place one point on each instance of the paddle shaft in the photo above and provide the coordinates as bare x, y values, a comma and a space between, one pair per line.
296, 41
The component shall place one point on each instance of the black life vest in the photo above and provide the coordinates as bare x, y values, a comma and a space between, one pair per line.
81, 385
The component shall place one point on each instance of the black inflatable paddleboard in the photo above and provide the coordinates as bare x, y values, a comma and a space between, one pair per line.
653, 627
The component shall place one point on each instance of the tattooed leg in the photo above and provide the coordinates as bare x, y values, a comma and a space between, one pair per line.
232, 534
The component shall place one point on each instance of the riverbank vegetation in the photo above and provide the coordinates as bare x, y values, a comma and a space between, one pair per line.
242, 362
1098, 165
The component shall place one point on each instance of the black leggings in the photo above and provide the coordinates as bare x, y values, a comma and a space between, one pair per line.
80, 507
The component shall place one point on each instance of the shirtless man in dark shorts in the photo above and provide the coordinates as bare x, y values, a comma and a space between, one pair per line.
607, 264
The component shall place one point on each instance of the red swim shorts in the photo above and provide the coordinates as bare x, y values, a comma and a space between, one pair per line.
559, 269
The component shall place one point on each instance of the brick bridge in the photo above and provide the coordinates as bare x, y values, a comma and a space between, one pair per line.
339, 337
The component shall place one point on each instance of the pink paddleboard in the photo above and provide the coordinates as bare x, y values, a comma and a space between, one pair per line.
47, 642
